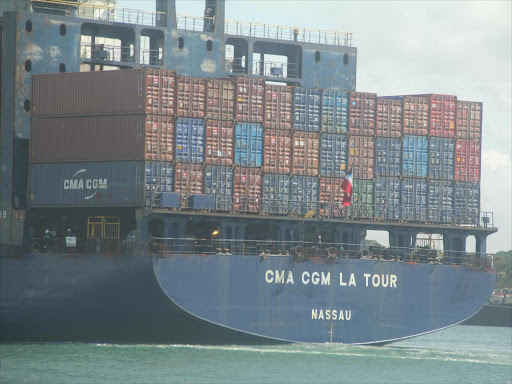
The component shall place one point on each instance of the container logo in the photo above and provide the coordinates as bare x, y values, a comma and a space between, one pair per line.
85, 184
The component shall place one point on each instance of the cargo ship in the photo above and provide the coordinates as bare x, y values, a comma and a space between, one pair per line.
178, 179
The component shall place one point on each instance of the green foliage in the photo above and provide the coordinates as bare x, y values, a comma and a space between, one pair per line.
503, 265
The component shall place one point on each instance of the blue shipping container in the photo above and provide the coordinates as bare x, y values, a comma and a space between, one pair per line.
218, 181
334, 111
306, 109
249, 145
467, 202
159, 178
189, 140
304, 197
276, 194
415, 156
387, 198
388, 157
414, 199
441, 156
440, 201
333, 155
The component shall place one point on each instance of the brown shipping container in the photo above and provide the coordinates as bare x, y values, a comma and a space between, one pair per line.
132, 91
219, 142
191, 97
389, 117
416, 115
467, 160
331, 195
306, 146
362, 111
278, 106
220, 99
102, 138
442, 115
188, 180
247, 192
469, 120
250, 93
277, 151
361, 154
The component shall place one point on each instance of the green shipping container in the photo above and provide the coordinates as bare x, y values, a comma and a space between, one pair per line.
362, 200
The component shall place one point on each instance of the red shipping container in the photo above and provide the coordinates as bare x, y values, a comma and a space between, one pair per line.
278, 106
331, 197
191, 97
247, 192
416, 115
219, 142
442, 115
467, 160
188, 180
220, 99
249, 99
306, 153
277, 151
362, 113
361, 154
160, 91
159, 138
389, 117
469, 120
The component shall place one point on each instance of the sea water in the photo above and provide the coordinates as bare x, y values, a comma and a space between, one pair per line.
461, 354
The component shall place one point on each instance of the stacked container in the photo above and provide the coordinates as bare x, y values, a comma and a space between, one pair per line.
276, 194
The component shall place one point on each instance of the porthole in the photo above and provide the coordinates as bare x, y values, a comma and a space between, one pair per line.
28, 65
62, 67
209, 45
181, 43
63, 30
28, 26
26, 105
345, 58
317, 56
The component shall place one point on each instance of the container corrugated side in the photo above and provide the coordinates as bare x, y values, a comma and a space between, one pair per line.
218, 181
306, 109
304, 197
278, 106
362, 200
220, 99
469, 120
247, 190
333, 155
387, 198
414, 156
161, 91
191, 96
362, 113
89, 184
335, 111
248, 145
250, 95
305, 153
441, 155
389, 117
188, 180
416, 115
159, 178
276, 194
414, 194
277, 151
361, 156
219, 142
467, 203
388, 157
440, 202
467, 160
331, 197
190, 140
442, 115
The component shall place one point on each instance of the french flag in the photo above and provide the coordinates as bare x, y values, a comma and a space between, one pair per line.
346, 185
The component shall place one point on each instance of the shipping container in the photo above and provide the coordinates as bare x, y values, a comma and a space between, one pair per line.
414, 199
416, 115
442, 115
362, 114
390, 117
249, 145
276, 194
219, 142
159, 178
387, 199
277, 151
467, 203
467, 160
388, 157
361, 154
440, 201
188, 181
247, 191
189, 140
278, 106
305, 153
414, 156
250, 94
362, 200
130, 91
334, 111
331, 197
441, 155
218, 181
469, 120
220, 99
333, 155
91, 184
306, 109
191, 96
304, 196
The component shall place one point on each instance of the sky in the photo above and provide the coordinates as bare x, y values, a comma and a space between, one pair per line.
460, 48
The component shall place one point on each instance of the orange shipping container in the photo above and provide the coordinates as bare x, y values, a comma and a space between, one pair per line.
278, 106
469, 120
277, 149
220, 99
361, 154
331, 197
362, 113
247, 192
467, 160
219, 142
188, 180
191, 97
249, 99
306, 153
